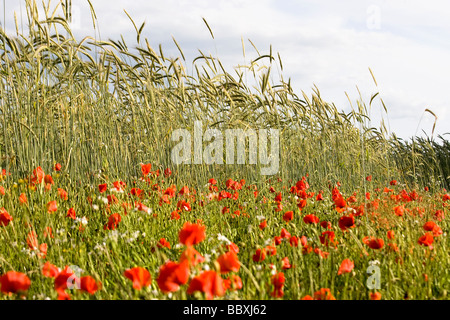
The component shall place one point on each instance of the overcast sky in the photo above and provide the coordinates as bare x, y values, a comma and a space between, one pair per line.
327, 43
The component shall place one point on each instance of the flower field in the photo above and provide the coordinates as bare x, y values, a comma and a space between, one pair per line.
93, 205
153, 239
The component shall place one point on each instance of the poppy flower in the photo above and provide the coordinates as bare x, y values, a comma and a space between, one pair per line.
192, 256
167, 172
399, 210
102, 187
192, 234
71, 213
426, 240
369, 178
208, 282
391, 234
5, 218
285, 263
229, 262
319, 197
346, 222
183, 205
172, 275
325, 224
174, 215
263, 225
163, 243
301, 204
49, 270
139, 276
375, 296
259, 255
2, 190
57, 167
52, 206
310, 219
234, 282
373, 243
323, 294
89, 285
278, 281
32, 240
307, 297
433, 227
293, 241
232, 247
327, 238
340, 203
48, 179
23, 198
38, 175
288, 216
146, 169
285, 234
65, 277
62, 194
12, 282
271, 250
346, 266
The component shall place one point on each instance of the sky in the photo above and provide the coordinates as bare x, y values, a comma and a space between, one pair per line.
324, 43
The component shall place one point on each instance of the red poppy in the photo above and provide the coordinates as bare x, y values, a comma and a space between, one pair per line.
288, 216
191, 233
89, 285
23, 198
390, 234
192, 256
52, 206
433, 227
32, 240
5, 218
212, 181
183, 205
393, 182
285, 234
301, 204
340, 203
12, 282
369, 178
271, 250
426, 240
259, 255
278, 281
167, 172
234, 282
327, 238
325, 224
62, 194
399, 210
263, 224
307, 297
48, 179
172, 275
375, 296
163, 243
373, 243
146, 169
208, 282
102, 187
65, 277
346, 222
38, 175
310, 218
323, 294
71, 213
49, 270
285, 263
347, 266
140, 277
113, 222
57, 167
229, 262
293, 241
174, 215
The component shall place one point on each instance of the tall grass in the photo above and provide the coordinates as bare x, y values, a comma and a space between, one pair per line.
103, 106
